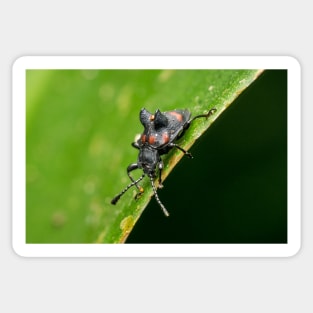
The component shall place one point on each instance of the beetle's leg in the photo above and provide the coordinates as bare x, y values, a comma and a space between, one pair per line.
135, 145
189, 155
160, 165
117, 197
131, 168
187, 124
212, 111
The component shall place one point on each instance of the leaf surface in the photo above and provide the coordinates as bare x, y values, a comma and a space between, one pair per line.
80, 125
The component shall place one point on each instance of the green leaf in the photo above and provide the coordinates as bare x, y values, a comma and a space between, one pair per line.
79, 128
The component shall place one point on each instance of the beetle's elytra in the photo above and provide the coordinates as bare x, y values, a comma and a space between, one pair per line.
161, 131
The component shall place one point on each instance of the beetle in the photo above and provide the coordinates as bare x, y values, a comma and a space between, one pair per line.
161, 131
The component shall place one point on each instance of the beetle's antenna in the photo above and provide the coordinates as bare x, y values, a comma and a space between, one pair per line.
116, 198
157, 197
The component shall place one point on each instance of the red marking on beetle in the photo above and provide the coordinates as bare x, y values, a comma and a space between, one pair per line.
165, 137
178, 116
143, 138
151, 139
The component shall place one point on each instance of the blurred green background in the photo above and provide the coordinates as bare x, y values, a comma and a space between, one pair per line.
80, 124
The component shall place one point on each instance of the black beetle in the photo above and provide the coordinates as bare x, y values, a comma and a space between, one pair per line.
161, 131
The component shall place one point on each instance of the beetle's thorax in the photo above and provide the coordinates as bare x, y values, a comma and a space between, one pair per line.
148, 159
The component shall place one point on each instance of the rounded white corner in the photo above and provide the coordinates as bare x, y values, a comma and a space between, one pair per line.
19, 63
294, 250
294, 62
17, 250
